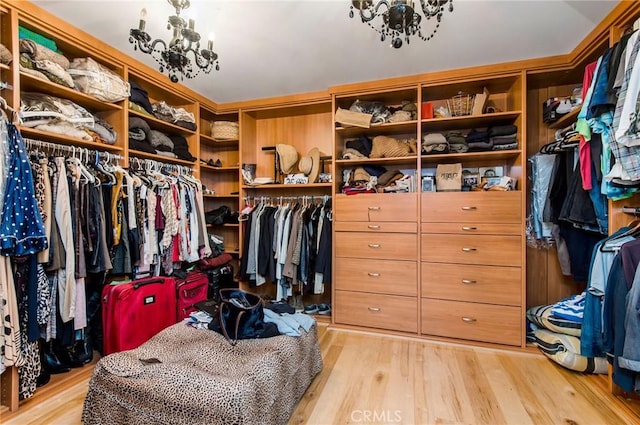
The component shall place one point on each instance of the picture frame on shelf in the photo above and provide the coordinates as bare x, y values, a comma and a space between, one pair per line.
428, 183
486, 172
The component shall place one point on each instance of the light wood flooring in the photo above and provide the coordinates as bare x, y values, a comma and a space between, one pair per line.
375, 379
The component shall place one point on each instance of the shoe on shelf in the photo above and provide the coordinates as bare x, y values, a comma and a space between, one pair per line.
216, 163
311, 309
324, 309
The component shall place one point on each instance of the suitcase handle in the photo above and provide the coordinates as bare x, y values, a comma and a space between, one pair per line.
147, 282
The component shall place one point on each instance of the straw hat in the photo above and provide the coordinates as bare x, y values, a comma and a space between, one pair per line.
288, 157
310, 165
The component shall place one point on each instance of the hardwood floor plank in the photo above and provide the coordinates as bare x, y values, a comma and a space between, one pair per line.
445, 398
503, 388
483, 402
394, 380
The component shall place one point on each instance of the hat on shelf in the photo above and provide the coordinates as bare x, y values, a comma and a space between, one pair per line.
310, 165
288, 157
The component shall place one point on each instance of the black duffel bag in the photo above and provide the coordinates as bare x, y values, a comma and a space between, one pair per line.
218, 216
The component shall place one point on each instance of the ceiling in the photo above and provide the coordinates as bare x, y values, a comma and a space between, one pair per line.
271, 48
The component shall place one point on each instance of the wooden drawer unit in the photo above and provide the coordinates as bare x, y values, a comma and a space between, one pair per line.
471, 249
472, 207
376, 311
377, 276
376, 226
385, 246
473, 228
486, 284
376, 207
478, 322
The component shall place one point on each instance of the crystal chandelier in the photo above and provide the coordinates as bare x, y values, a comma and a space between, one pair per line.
399, 17
182, 52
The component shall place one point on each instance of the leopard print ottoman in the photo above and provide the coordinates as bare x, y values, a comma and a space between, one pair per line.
185, 375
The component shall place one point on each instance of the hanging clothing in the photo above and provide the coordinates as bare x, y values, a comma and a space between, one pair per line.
21, 229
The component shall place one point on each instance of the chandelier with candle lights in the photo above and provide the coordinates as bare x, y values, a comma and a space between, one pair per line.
181, 57
399, 17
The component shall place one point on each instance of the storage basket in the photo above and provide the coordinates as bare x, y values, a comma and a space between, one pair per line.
461, 104
224, 130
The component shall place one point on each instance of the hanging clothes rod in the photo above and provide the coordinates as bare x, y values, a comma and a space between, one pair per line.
151, 164
280, 199
69, 149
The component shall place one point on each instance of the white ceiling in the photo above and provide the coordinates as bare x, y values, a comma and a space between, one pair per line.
276, 47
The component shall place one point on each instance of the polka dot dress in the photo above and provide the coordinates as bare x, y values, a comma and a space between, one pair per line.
21, 227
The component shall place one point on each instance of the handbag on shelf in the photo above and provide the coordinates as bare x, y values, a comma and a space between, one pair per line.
218, 215
240, 315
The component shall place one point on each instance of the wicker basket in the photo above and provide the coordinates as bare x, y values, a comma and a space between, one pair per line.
460, 105
224, 130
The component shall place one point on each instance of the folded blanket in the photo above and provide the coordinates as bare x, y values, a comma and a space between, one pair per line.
436, 148
135, 122
502, 130
137, 134
477, 136
140, 96
571, 308
480, 146
506, 147
362, 145
140, 145
350, 153
52, 71
39, 52
135, 107
504, 140
37, 74
105, 130
65, 128
49, 67
171, 114
159, 140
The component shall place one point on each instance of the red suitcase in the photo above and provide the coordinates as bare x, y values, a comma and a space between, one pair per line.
189, 291
135, 311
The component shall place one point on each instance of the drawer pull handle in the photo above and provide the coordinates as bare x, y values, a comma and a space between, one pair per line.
374, 274
374, 308
468, 319
469, 228
465, 249
374, 245
373, 226
468, 281
374, 208
469, 208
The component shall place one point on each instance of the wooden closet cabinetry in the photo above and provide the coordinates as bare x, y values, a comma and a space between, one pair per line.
471, 278
472, 242
375, 261
223, 177
376, 234
304, 124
